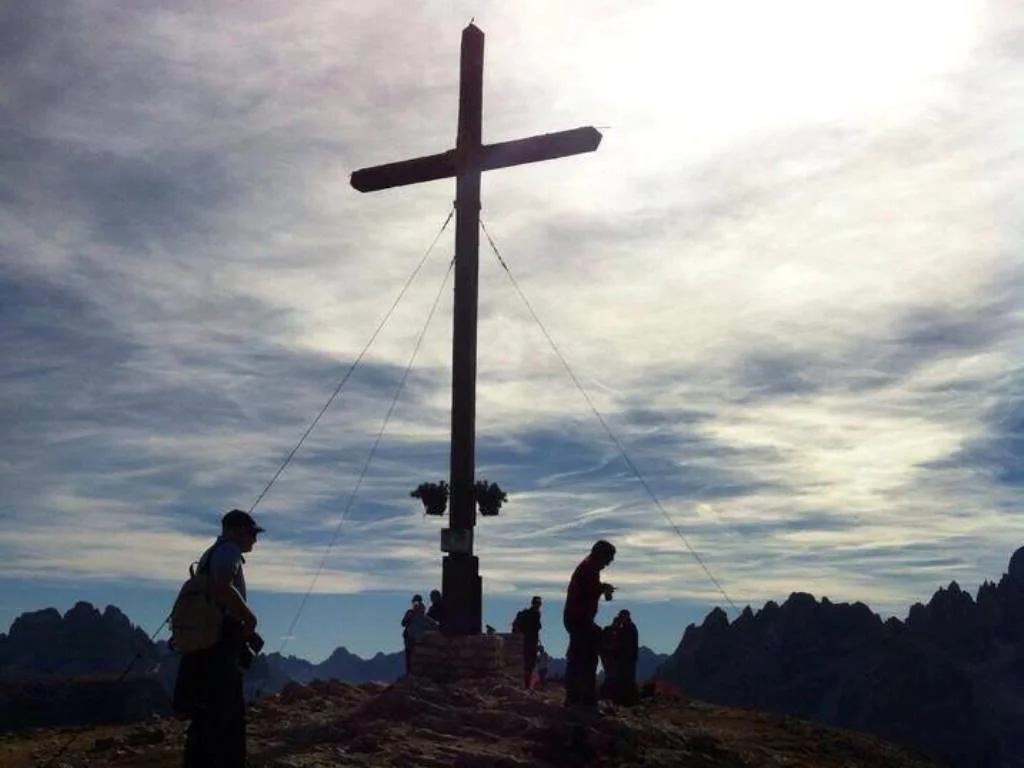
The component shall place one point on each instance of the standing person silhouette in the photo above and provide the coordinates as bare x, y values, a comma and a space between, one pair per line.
208, 688
408, 641
581, 603
528, 624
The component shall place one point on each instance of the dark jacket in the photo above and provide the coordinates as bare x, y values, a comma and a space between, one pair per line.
628, 641
436, 611
584, 592
528, 622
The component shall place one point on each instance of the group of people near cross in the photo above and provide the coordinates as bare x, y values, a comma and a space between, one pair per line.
418, 620
616, 646
208, 688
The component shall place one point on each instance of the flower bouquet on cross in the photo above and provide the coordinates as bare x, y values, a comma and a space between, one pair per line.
434, 497
489, 498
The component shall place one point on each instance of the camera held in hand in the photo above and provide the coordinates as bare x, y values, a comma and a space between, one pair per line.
250, 650
256, 643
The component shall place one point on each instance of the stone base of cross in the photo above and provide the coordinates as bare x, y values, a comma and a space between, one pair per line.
461, 583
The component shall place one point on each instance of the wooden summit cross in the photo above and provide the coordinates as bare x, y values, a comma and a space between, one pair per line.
461, 582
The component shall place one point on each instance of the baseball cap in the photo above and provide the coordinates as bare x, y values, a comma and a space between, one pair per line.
236, 518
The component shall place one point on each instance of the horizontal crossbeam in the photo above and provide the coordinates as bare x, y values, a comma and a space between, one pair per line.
429, 168
547, 146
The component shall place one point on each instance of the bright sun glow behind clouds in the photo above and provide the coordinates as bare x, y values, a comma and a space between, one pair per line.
725, 68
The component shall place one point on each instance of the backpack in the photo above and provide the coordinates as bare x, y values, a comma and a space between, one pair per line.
196, 618
518, 621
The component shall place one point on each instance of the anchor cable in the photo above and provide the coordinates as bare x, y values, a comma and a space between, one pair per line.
74, 736
607, 428
369, 458
355, 362
152, 637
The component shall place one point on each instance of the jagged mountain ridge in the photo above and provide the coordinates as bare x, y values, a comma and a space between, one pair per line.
948, 680
85, 641
387, 667
342, 664
81, 642
62, 670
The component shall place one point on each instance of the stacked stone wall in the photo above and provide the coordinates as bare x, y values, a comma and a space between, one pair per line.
446, 659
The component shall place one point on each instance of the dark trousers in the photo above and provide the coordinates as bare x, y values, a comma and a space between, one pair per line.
209, 691
581, 664
529, 659
624, 691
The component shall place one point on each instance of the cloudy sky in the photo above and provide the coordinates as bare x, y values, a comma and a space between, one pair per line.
790, 280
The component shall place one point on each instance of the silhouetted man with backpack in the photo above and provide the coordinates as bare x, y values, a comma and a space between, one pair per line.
527, 623
208, 688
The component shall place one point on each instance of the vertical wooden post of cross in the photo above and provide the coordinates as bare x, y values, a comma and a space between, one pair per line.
461, 581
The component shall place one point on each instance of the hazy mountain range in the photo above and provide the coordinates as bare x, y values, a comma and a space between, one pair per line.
86, 642
947, 680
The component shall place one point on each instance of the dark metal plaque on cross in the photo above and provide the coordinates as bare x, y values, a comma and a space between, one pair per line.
461, 583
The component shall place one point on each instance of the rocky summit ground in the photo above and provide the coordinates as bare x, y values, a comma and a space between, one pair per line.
486, 724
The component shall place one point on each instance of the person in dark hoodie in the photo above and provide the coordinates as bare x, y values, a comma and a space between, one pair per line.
581, 603
625, 651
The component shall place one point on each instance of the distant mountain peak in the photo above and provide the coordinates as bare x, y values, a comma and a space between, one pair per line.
82, 641
948, 679
1015, 569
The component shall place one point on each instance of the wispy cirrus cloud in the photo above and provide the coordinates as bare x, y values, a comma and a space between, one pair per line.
789, 280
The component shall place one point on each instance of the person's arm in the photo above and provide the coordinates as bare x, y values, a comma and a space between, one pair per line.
224, 591
573, 596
